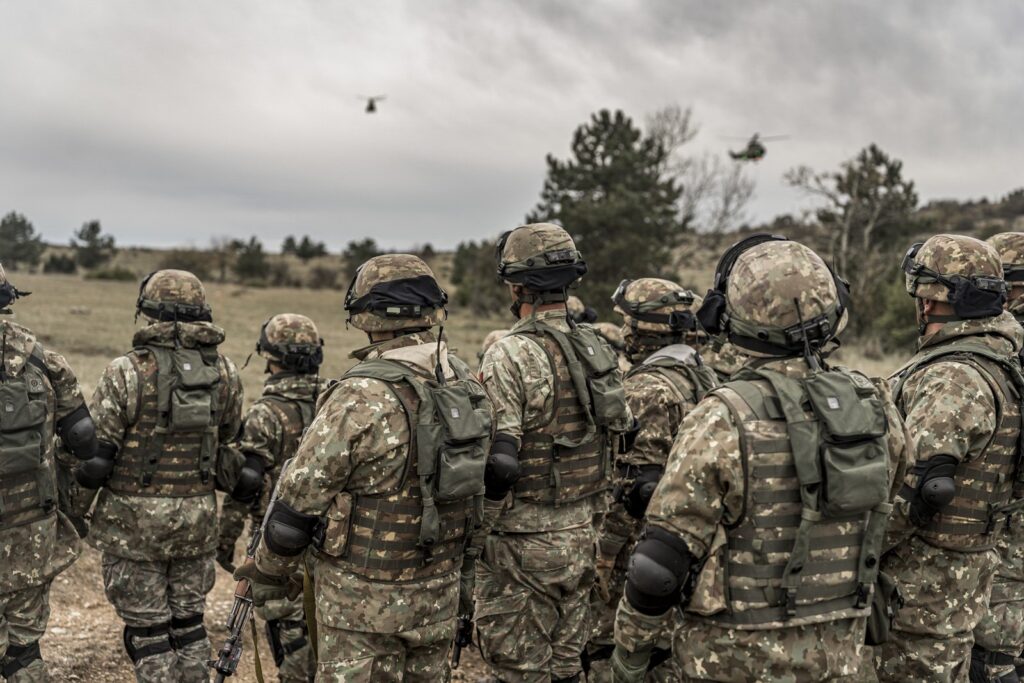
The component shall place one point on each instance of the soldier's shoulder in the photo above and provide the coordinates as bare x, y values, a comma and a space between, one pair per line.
650, 383
512, 346
18, 338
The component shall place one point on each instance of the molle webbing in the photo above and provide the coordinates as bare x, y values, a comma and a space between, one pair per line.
761, 546
28, 486
984, 484
156, 459
691, 382
565, 460
384, 529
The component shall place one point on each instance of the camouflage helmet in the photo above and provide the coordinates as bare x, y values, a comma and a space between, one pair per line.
173, 295
395, 292
774, 296
542, 258
612, 334
1010, 246
579, 311
293, 341
658, 309
8, 292
960, 270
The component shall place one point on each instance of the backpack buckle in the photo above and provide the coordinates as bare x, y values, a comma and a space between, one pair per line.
790, 602
863, 591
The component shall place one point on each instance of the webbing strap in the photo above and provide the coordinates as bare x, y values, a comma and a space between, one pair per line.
761, 615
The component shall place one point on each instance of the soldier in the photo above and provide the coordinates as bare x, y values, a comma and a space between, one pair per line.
668, 378
580, 312
492, 336
999, 638
551, 461
39, 400
768, 521
384, 488
724, 358
163, 411
271, 431
959, 399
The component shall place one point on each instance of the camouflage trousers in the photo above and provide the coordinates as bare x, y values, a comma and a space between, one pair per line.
416, 656
1002, 628
830, 651
286, 632
533, 603
23, 617
946, 596
161, 604
231, 524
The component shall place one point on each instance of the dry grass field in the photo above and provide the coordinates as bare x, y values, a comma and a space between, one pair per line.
91, 322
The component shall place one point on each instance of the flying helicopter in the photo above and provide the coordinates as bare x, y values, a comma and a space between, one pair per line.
371, 102
755, 149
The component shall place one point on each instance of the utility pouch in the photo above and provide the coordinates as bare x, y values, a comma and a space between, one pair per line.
598, 362
191, 400
854, 466
885, 603
334, 532
22, 416
461, 439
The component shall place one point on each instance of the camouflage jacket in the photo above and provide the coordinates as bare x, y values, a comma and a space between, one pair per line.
519, 380
359, 445
949, 407
704, 488
724, 358
148, 527
32, 554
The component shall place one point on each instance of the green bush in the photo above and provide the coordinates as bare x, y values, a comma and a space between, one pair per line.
60, 264
117, 274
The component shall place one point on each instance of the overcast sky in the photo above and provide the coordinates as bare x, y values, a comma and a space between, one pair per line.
174, 122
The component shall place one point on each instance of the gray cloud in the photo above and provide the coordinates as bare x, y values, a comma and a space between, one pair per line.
178, 121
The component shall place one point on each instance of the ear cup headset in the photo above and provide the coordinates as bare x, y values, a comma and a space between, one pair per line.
9, 294
976, 296
716, 320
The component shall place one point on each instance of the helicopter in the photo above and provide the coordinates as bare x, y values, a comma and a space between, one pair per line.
755, 149
371, 102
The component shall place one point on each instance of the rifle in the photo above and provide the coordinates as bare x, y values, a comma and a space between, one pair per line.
463, 638
241, 611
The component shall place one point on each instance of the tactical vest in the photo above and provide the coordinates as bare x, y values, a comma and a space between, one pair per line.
987, 485
294, 415
815, 460
568, 459
418, 530
28, 485
690, 382
170, 450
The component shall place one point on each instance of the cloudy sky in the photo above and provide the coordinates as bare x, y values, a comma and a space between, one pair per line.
175, 122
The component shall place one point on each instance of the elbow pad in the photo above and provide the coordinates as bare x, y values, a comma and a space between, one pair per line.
503, 469
289, 532
250, 480
94, 472
935, 490
639, 495
658, 572
78, 432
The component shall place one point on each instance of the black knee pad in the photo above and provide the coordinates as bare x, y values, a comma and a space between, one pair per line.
18, 657
139, 653
196, 631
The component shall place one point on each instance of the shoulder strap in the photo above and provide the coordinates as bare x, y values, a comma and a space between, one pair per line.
1012, 368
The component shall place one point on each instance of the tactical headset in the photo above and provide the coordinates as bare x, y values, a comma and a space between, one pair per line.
715, 319
412, 297
170, 312
977, 296
301, 358
9, 294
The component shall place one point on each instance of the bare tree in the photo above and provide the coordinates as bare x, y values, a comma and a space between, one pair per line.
715, 191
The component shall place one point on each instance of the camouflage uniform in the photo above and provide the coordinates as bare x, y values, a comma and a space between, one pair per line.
956, 406
537, 570
667, 380
724, 358
157, 529
271, 431
383, 612
492, 336
37, 540
729, 494
1001, 631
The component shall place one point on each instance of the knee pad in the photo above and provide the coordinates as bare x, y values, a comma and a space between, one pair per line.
195, 632
18, 657
137, 654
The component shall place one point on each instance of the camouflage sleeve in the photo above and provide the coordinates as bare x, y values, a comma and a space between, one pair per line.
657, 409
65, 384
518, 379
231, 411
703, 485
901, 451
261, 434
113, 403
950, 410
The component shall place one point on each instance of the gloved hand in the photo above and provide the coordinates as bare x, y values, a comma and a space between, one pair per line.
935, 490
629, 667
250, 480
641, 491
266, 587
226, 557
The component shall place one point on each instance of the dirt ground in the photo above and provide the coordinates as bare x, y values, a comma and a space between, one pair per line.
83, 641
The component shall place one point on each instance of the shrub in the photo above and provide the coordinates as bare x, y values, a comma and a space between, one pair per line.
116, 273
322, 277
199, 263
61, 264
